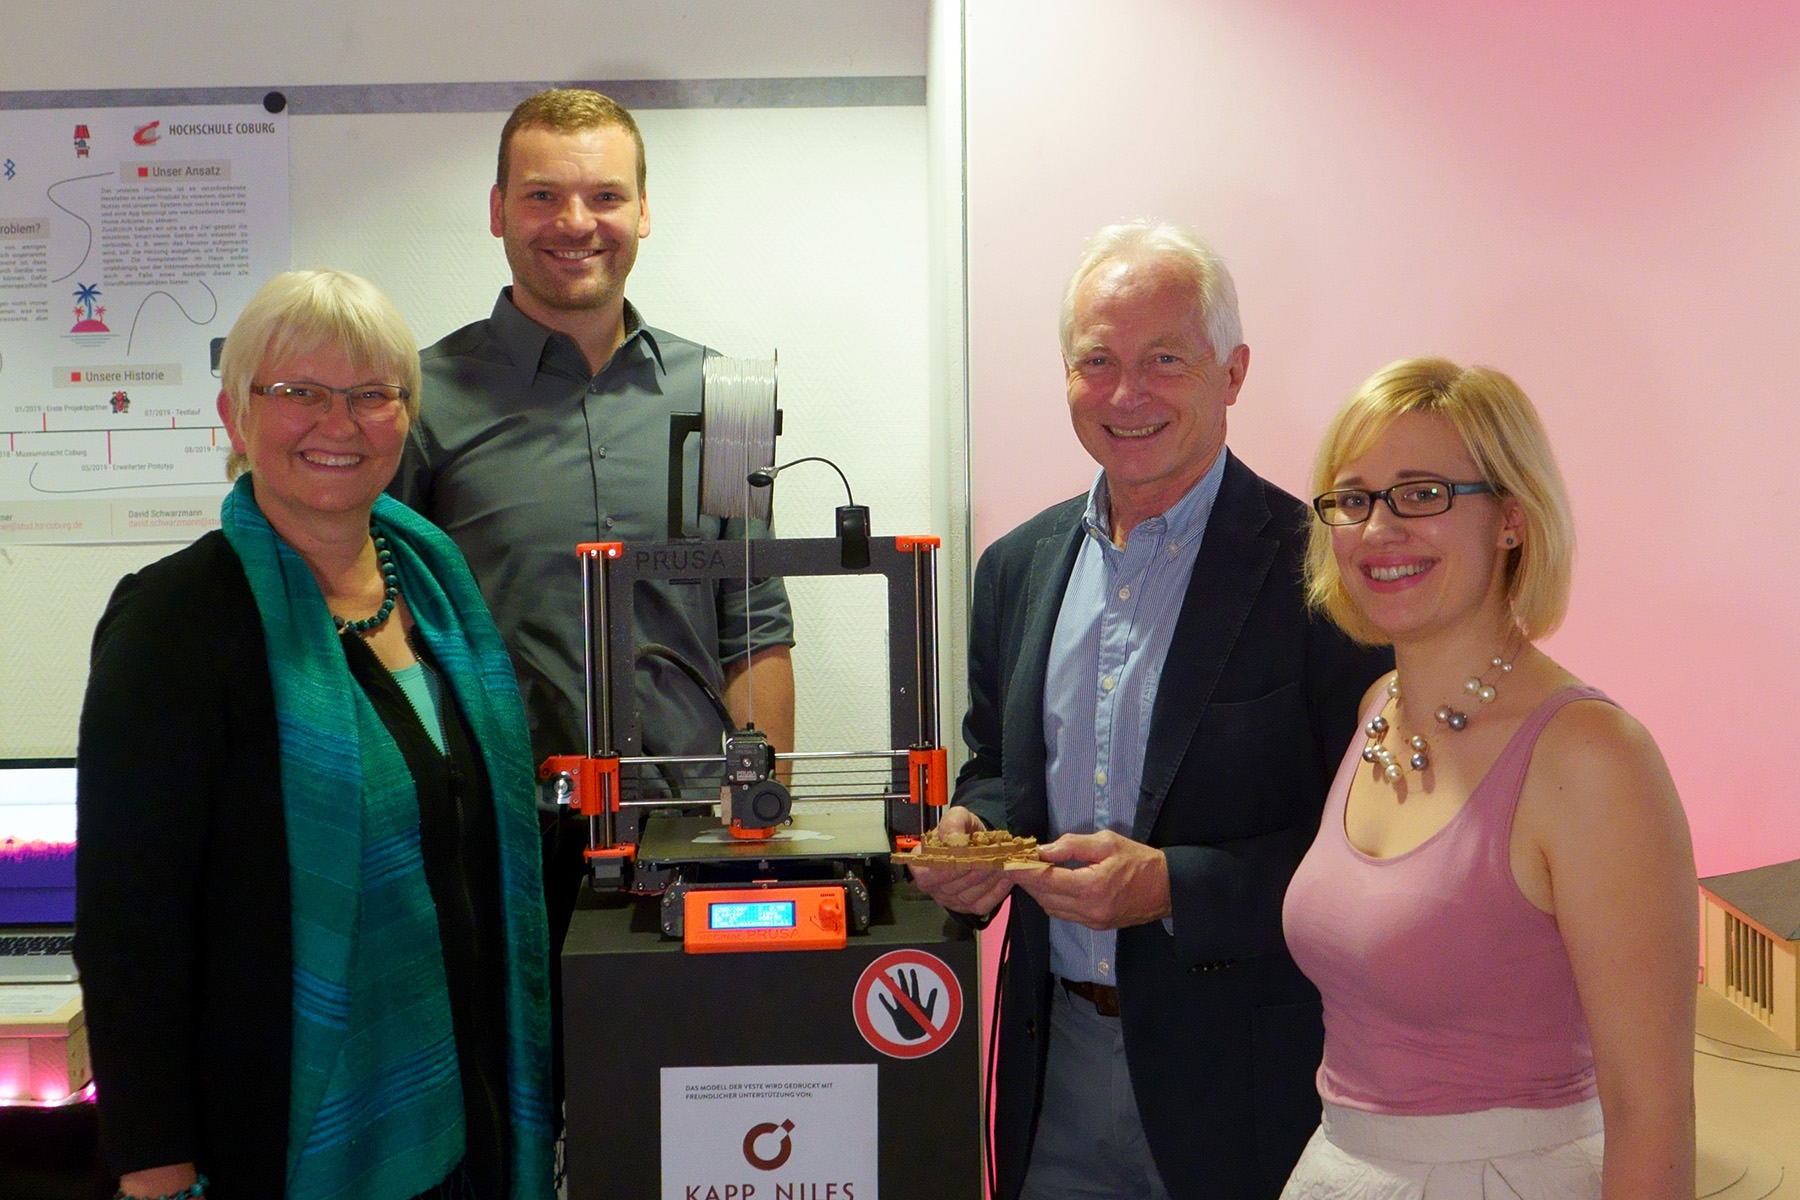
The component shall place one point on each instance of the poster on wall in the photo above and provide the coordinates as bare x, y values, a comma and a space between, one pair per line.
770, 1133
130, 239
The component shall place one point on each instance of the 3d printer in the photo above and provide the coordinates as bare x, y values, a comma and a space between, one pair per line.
798, 841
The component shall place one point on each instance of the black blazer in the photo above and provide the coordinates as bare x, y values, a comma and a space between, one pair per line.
1258, 701
182, 926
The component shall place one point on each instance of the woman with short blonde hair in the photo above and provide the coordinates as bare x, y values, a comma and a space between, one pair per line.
1498, 909
309, 919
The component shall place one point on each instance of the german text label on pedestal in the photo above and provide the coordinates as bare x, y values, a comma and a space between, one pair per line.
887, 1021
770, 1133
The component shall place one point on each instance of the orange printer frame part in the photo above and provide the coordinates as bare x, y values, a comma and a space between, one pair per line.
599, 549
596, 791
929, 770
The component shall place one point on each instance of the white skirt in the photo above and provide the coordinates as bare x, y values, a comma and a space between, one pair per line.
1499, 1154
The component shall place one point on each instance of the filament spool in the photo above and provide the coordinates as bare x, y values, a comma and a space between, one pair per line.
737, 436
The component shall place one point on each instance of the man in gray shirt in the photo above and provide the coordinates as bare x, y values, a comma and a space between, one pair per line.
547, 425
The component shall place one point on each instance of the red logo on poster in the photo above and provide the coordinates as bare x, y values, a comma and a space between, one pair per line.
781, 1155
907, 1004
147, 135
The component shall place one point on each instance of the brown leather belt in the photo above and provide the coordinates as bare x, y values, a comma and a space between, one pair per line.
1104, 999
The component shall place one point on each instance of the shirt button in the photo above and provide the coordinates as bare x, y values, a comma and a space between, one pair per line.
1107, 684
600, 453
1174, 547
1125, 592
1105, 967
608, 522
1100, 777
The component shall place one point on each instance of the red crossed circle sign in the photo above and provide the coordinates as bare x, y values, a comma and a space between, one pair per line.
907, 1003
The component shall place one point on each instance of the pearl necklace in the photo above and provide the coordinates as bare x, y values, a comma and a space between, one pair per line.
1376, 731
390, 577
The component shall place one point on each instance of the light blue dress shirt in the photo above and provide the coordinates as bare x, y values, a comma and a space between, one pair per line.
1106, 660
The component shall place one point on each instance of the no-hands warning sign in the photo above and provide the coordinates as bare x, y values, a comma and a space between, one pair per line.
908, 1004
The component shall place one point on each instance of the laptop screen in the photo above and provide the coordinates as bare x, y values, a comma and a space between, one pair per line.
37, 841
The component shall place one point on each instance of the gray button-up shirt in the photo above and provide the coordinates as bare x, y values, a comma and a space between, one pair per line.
519, 454
1106, 659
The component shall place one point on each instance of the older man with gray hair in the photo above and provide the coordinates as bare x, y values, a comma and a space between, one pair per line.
1150, 696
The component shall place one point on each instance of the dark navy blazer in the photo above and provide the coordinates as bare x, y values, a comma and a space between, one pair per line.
1257, 703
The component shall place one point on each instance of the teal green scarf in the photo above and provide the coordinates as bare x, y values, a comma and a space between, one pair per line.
375, 1102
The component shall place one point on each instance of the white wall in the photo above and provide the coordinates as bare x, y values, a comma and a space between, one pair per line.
192, 43
800, 229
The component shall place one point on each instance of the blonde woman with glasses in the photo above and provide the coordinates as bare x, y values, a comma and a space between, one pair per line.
1499, 907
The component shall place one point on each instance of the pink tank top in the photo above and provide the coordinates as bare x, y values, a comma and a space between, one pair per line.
1446, 990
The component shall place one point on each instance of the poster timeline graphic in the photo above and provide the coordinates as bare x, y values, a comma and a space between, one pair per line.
130, 239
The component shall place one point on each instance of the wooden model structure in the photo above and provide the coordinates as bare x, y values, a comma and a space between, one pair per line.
1750, 943
991, 850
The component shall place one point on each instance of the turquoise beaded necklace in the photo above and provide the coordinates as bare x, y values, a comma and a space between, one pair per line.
390, 577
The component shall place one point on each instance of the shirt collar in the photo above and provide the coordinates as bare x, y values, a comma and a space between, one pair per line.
1180, 522
533, 348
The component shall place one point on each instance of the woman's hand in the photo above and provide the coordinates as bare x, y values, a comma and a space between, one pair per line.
159, 1181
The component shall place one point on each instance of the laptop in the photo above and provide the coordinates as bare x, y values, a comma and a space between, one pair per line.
37, 870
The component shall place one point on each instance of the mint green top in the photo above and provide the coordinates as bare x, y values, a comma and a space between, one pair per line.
424, 689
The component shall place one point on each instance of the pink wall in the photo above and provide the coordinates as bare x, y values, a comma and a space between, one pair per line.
1601, 199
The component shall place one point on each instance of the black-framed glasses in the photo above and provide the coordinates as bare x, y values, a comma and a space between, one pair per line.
372, 402
1409, 498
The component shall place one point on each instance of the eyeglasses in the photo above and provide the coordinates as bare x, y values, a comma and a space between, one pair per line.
369, 402
1412, 498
